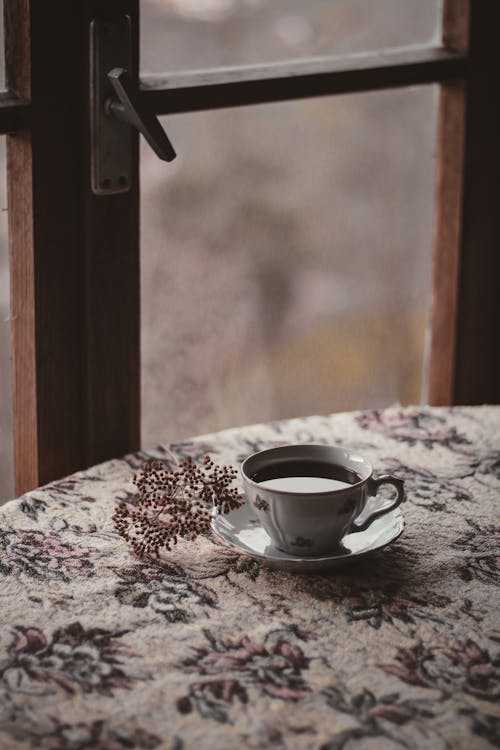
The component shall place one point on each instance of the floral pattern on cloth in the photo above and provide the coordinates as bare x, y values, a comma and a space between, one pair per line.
97, 736
73, 659
44, 556
207, 648
165, 588
274, 667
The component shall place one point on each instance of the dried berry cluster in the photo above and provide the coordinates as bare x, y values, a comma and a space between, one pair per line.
174, 502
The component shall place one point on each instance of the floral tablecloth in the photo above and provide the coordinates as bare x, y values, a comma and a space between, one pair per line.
208, 649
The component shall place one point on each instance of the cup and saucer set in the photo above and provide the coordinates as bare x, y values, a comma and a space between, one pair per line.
311, 507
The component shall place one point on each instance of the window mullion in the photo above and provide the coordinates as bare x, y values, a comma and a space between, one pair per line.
464, 362
258, 84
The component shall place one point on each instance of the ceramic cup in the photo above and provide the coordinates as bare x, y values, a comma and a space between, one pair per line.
308, 497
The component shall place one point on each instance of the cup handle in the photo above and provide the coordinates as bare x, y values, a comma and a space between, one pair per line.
373, 486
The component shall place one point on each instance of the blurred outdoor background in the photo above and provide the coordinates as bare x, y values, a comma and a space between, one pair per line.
286, 251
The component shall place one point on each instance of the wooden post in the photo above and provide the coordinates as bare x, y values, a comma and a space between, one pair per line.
464, 357
74, 257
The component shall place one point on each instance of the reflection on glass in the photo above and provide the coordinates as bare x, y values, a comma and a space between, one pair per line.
6, 459
286, 259
191, 34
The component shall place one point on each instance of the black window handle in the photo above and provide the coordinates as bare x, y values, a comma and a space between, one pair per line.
127, 108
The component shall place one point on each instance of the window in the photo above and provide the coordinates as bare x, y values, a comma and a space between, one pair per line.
304, 235
75, 255
273, 225
182, 35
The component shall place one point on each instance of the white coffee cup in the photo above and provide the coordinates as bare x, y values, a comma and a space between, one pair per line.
308, 497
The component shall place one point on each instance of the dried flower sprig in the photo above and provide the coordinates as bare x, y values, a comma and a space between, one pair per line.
174, 502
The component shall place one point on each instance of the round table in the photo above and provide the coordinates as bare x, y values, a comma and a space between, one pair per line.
209, 648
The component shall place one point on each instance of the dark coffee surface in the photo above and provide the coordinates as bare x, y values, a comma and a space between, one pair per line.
305, 468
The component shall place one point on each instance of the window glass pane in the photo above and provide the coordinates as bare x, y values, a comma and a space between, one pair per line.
6, 460
190, 34
286, 261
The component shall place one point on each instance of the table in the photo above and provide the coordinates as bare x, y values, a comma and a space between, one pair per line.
208, 649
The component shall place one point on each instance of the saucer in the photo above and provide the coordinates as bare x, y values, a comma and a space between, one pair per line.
241, 531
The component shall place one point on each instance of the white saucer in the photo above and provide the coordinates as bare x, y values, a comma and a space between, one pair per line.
240, 530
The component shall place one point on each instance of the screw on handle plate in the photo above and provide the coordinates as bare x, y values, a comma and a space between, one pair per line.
128, 108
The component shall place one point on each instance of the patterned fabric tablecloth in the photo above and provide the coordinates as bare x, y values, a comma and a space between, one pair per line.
206, 648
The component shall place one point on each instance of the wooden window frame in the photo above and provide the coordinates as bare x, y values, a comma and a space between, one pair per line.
74, 256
